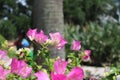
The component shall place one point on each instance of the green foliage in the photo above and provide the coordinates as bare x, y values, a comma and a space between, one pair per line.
82, 11
22, 22
2, 39
7, 29
14, 17
49, 64
112, 73
75, 11
103, 41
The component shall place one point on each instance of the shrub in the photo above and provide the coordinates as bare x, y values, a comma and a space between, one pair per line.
7, 29
82, 11
21, 66
2, 39
102, 40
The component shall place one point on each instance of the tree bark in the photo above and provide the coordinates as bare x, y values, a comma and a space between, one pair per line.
48, 16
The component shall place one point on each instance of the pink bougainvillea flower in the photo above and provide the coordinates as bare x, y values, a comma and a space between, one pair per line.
15, 66
3, 53
58, 40
58, 76
76, 74
76, 45
41, 37
19, 67
86, 55
3, 73
60, 66
31, 34
24, 71
42, 76
4, 59
59, 72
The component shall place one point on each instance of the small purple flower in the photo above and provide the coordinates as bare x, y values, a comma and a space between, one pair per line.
76, 45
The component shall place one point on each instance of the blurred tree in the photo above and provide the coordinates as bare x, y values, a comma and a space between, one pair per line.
48, 15
18, 12
82, 11
14, 16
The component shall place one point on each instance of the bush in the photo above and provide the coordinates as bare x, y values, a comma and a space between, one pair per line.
103, 41
2, 39
82, 11
7, 29
21, 66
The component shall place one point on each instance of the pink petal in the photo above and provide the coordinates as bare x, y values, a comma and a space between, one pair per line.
15, 65
3, 53
3, 73
76, 74
42, 76
41, 37
86, 56
31, 34
25, 72
58, 40
88, 52
76, 45
19, 67
58, 76
60, 66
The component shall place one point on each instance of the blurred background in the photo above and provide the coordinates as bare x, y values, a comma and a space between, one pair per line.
96, 23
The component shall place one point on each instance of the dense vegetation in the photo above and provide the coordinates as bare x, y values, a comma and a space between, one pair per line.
82, 11
14, 16
18, 15
103, 41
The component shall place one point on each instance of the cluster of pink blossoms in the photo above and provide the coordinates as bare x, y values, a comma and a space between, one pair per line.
18, 67
4, 59
59, 72
56, 39
76, 46
3, 73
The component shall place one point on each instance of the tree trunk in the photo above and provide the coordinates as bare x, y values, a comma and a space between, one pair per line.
48, 16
